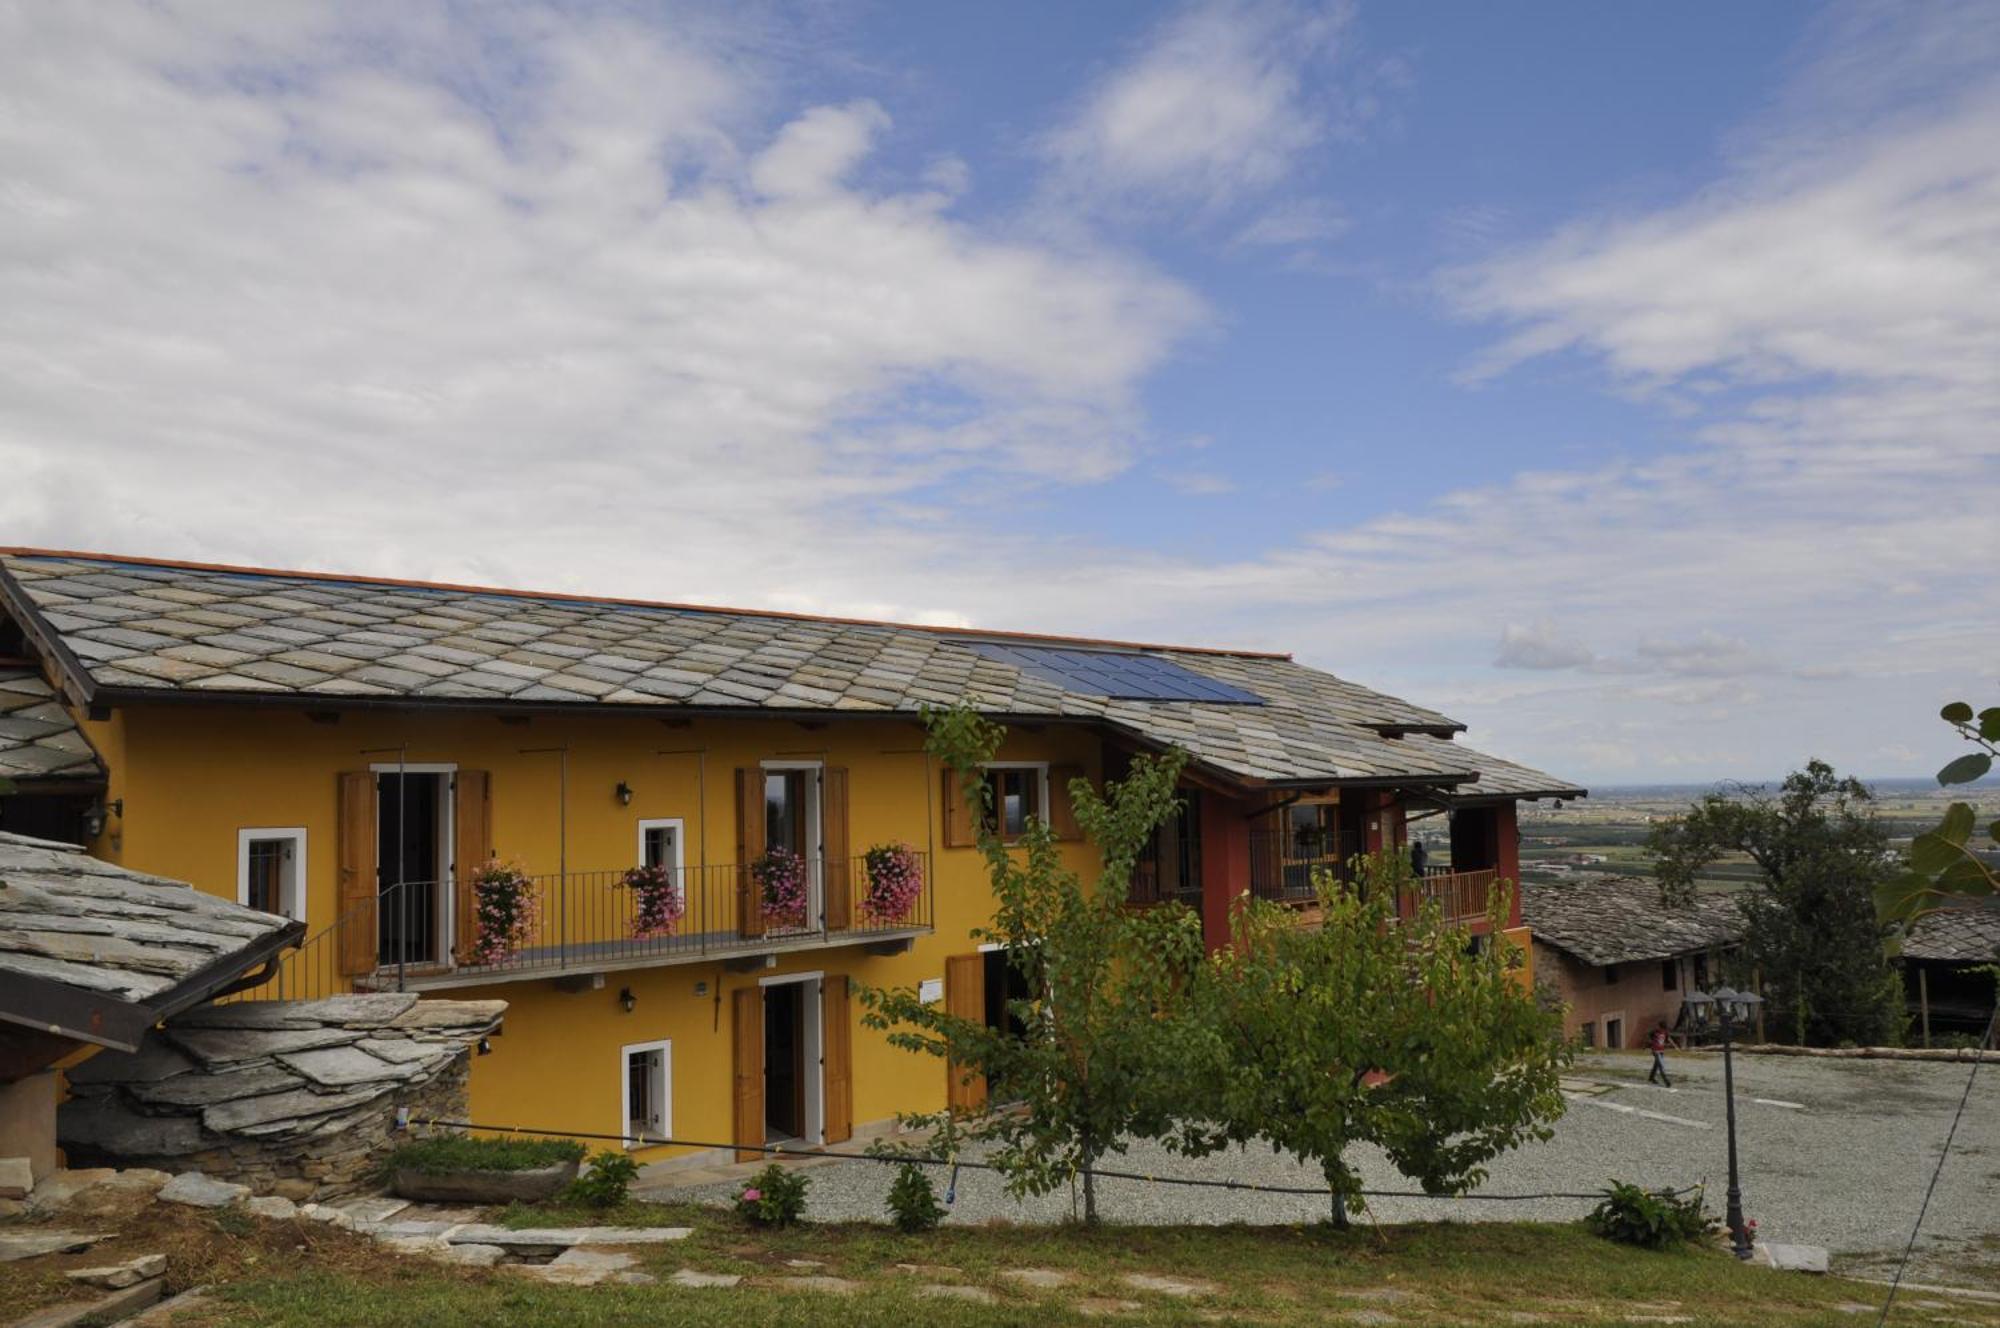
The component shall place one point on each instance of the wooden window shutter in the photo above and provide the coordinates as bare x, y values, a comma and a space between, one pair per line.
958, 828
965, 996
472, 822
837, 1039
749, 847
835, 849
1062, 808
360, 934
747, 1098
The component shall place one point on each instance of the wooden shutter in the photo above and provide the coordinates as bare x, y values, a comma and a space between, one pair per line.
837, 1051
472, 826
839, 873
965, 996
1062, 808
359, 888
958, 829
749, 847
748, 1095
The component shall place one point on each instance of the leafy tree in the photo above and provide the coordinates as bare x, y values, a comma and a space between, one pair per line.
1945, 870
1811, 927
1093, 1064
1366, 1029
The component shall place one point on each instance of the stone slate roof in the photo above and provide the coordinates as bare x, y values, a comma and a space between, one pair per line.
68, 918
39, 741
268, 1070
126, 631
1956, 935
1620, 920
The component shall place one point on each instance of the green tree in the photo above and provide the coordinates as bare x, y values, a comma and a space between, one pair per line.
1945, 869
1363, 1028
1093, 1064
1810, 922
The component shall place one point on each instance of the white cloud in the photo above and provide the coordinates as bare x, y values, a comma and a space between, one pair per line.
1540, 646
1216, 104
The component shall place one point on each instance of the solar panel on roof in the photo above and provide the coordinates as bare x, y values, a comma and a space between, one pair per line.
1117, 675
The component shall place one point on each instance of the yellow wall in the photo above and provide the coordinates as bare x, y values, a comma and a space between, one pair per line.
193, 776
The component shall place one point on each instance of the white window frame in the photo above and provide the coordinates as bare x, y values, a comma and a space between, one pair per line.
674, 823
1041, 768
295, 906
447, 867
814, 1050
666, 1049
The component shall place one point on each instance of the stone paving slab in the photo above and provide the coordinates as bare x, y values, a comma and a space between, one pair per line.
17, 1245
564, 1237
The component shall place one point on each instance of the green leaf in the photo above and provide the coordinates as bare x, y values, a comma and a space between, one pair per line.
1958, 712
1993, 832
1931, 854
1966, 769
1956, 826
1966, 876
1989, 724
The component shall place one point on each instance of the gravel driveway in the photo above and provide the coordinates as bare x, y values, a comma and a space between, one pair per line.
1833, 1153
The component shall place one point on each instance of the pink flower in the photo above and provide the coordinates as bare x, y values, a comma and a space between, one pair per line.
752, 1196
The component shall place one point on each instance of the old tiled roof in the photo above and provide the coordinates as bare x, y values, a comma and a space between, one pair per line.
271, 1070
70, 919
1620, 920
39, 741
1956, 935
131, 630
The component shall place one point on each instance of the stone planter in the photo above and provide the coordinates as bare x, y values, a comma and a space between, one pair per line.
483, 1187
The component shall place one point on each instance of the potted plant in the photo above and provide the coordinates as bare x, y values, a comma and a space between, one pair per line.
509, 912
455, 1168
781, 886
895, 879
659, 904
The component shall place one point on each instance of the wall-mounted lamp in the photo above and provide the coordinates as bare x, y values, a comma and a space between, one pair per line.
93, 820
624, 793
628, 1000
485, 1047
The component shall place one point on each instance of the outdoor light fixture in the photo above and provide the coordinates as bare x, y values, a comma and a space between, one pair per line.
1730, 1007
624, 792
485, 1047
628, 1000
94, 819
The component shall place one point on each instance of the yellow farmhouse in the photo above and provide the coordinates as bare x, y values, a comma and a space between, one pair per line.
352, 752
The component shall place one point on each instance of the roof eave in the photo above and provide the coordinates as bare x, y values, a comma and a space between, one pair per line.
71, 676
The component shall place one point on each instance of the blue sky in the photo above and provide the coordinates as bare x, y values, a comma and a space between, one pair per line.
1618, 379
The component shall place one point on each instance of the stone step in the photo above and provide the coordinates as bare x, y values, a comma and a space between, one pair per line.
563, 1237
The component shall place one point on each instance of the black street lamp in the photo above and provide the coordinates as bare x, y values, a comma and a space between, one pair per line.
1730, 1007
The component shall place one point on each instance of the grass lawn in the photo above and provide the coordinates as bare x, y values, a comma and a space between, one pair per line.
301, 1273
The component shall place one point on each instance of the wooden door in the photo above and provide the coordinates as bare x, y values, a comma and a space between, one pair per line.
749, 847
747, 1098
359, 888
965, 996
837, 1049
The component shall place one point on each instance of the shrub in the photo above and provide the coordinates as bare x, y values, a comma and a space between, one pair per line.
607, 1182
457, 1152
1655, 1220
913, 1204
774, 1197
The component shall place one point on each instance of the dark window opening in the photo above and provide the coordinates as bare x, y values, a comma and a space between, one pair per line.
264, 886
1015, 795
785, 810
1169, 866
1670, 976
1611, 975
410, 865
784, 1061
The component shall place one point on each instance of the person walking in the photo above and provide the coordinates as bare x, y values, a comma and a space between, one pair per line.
1420, 858
1657, 1042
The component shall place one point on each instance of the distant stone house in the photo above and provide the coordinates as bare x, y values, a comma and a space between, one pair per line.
1620, 958
1945, 958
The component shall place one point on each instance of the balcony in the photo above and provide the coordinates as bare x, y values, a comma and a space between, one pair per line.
1283, 867
589, 922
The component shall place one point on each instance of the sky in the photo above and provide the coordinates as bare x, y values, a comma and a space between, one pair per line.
1623, 381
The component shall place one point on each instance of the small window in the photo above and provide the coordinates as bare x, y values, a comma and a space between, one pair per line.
1587, 1035
1611, 975
1670, 976
271, 871
1016, 796
648, 1081
660, 844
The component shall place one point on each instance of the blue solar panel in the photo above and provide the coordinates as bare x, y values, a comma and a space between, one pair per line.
1116, 674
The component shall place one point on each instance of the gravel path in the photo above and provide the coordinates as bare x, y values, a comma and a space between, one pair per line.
1844, 1168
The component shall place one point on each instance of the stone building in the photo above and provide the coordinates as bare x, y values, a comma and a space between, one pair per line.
1620, 958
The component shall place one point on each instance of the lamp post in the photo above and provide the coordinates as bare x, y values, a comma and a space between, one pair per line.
1730, 1006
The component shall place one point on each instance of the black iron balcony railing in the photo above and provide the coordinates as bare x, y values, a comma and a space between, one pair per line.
428, 934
